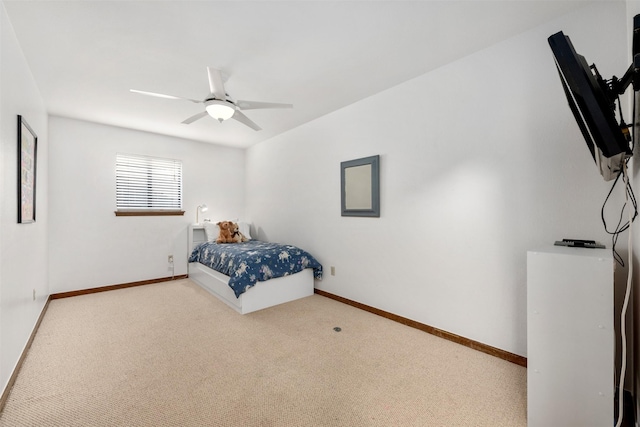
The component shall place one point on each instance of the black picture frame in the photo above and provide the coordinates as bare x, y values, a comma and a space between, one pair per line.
27, 168
360, 187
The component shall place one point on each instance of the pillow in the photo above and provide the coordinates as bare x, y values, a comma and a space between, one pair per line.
245, 229
211, 231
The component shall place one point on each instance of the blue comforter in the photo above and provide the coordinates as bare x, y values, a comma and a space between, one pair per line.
254, 261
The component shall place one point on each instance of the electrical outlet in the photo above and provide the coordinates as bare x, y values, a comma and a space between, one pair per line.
333, 270
170, 259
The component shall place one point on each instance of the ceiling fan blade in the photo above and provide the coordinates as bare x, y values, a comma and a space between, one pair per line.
215, 84
254, 105
245, 120
194, 118
161, 95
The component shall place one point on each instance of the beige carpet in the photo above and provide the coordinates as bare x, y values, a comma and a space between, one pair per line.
170, 354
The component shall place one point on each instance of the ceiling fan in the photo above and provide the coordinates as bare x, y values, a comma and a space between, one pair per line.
219, 105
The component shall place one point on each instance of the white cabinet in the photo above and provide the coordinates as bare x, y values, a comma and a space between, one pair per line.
570, 337
196, 236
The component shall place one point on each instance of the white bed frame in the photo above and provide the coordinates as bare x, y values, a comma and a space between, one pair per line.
262, 295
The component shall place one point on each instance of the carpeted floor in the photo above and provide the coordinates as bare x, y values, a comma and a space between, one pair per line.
170, 354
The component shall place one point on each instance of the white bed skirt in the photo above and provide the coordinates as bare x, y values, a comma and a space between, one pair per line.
262, 295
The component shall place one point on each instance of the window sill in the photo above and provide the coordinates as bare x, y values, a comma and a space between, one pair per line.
149, 213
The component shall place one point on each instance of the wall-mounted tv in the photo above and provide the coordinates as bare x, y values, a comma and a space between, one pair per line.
593, 103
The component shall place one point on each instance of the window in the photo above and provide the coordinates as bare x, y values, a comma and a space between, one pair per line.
148, 186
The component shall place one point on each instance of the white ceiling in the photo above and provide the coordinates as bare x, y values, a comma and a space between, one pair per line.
318, 55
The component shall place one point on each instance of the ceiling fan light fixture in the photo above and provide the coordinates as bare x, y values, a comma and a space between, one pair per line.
220, 110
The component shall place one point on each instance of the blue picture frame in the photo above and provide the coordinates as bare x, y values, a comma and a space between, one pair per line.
360, 187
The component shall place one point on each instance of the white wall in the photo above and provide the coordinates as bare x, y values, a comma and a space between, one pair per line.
482, 163
23, 247
88, 245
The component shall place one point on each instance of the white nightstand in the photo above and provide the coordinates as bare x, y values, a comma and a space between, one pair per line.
196, 235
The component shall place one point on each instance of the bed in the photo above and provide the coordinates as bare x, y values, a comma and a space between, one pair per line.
257, 293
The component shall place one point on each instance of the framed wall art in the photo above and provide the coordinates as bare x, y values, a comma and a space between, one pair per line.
360, 187
27, 156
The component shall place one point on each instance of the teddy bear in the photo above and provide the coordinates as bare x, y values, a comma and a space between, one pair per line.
237, 235
230, 233
226, 232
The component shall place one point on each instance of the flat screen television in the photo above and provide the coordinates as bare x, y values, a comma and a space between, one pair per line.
593, 105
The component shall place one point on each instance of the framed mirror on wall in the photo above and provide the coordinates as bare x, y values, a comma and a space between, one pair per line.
360, 187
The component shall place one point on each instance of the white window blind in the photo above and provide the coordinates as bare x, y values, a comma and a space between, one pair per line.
148, 183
